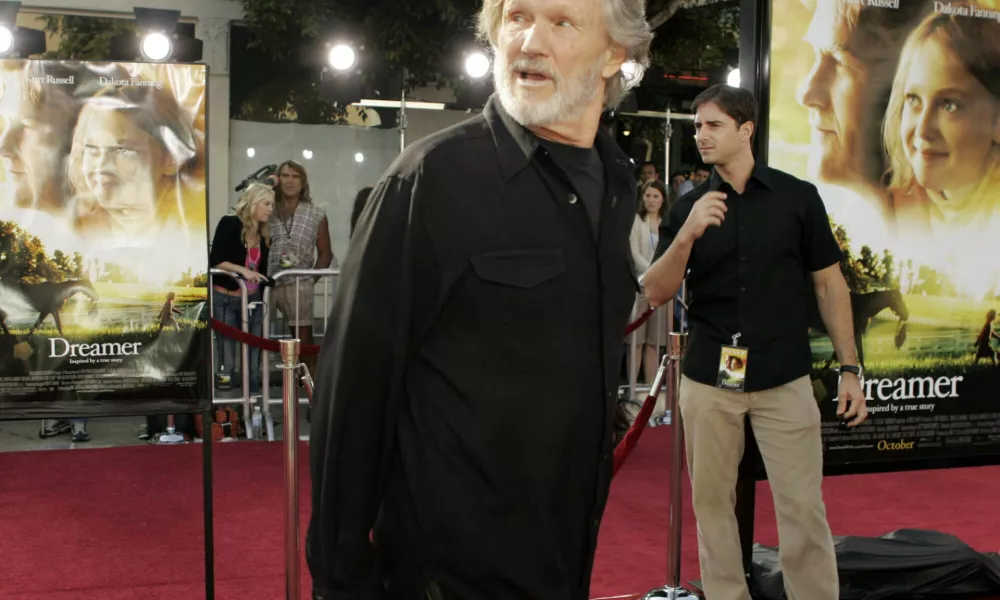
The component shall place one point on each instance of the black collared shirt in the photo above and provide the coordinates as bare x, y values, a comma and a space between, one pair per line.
752, 276
466, 388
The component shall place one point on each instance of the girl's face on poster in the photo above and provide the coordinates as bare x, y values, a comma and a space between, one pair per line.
121, 165
950, 122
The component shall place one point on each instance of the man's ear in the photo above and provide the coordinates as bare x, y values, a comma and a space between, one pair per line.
747, 130
614, 59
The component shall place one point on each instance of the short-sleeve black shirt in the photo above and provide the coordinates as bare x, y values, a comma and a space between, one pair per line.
752, 276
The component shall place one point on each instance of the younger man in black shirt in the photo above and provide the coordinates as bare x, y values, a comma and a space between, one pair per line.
755, 243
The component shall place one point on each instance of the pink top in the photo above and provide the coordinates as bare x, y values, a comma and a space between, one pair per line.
253, 261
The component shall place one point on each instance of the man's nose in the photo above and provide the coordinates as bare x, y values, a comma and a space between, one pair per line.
815, 90
536, 40
10, 137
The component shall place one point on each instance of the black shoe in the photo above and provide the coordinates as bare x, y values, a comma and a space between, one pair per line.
54, 427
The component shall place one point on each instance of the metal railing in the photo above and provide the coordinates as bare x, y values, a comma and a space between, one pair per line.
266, 401
246, 400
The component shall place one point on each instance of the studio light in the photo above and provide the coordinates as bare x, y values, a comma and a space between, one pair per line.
342, 57
251, 152
158, 40
633, 73
156, 46
307, 154
734, 78
6, 40
17, 42
477, 64
359, 158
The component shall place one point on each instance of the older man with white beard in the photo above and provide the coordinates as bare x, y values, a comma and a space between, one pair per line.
467, 384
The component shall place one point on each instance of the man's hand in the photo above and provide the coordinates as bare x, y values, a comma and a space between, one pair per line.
709, 210
851, 405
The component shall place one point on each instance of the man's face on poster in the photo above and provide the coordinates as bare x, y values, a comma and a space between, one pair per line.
838, 93
33, 142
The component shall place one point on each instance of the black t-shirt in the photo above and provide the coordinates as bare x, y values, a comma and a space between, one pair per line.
753, 276
583, 168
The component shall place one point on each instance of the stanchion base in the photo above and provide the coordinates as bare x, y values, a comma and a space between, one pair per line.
170, 438
671, 593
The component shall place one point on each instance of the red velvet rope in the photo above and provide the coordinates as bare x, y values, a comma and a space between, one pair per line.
258, 342
622, 450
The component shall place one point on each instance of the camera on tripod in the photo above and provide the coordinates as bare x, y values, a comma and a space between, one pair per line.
266, 174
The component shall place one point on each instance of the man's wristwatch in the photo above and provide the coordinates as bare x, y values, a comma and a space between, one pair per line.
851, 369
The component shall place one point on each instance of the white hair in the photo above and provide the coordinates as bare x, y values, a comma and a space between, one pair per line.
627, 27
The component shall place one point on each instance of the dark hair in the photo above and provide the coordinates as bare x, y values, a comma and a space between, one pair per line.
360, 200
660, 187
736, 102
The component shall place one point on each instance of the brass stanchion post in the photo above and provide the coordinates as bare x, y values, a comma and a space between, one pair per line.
290, 366
673, 589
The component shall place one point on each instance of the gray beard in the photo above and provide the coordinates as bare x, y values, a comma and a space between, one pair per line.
571, 98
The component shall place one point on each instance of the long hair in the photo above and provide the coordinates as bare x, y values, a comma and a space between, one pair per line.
253, 195
306, 196
976, 44
659, 186
627, 27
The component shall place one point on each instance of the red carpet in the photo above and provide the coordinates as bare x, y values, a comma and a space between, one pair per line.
123, 523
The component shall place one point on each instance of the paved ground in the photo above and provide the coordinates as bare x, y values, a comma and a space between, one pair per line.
18, 436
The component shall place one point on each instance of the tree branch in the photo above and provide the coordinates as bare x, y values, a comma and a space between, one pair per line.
660, 11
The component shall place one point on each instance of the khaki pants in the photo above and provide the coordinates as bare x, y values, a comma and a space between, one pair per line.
786, 423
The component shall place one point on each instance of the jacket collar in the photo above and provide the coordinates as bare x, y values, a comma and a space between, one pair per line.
516, 145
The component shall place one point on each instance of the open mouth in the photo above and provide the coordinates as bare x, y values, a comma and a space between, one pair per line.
532, 76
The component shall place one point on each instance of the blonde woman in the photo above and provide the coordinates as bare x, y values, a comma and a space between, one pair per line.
942, 138
240, 246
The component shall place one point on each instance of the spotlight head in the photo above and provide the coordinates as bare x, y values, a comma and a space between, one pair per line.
156, 46
359, 157
633, 73
6, 39
342, 57
307, 154
477, 64
734, 78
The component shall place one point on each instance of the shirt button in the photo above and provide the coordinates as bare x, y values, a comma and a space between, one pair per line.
571, 198
743, 289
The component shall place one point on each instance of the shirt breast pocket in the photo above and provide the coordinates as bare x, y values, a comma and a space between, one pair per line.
521, 269
521, 295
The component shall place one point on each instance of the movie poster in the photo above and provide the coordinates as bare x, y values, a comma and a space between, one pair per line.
892, 108
103, 239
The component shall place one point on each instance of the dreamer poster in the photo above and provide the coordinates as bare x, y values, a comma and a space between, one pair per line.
892, 108
103, 238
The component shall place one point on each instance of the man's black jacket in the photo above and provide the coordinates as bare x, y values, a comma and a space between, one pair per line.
467, 382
